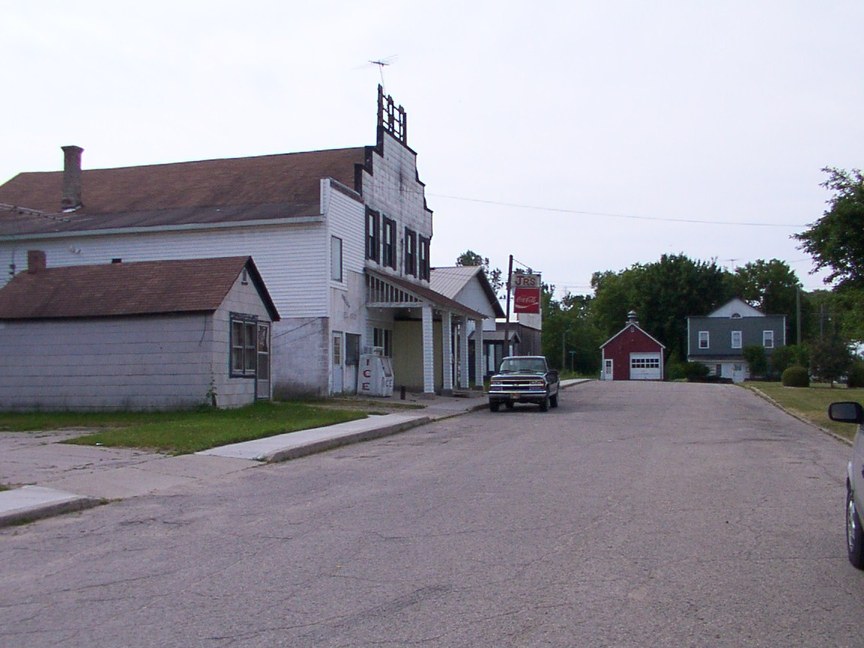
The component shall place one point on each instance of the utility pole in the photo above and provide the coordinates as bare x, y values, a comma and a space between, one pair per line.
507, 319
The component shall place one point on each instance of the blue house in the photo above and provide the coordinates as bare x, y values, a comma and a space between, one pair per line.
718, 339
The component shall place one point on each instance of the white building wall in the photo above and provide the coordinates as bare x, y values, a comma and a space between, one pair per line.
226, 390
393, 190
93, 364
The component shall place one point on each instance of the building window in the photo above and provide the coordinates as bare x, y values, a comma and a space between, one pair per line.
352, 349
768, 339
425, 270
263, 368
645, 363
337, 348
383, 338
244, 338
736, 339
703, 340
335, 258
373, 234
388, 243
410, 252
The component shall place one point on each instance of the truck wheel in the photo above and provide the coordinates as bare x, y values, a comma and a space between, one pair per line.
544, 405
553, 400
494, 406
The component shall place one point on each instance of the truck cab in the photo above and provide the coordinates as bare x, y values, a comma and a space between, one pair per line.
524, 379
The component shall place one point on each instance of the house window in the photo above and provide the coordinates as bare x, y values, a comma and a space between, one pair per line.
424, 259
768, 339
703, 340
410, 252
388, 243
373, 234
383, 338
736, 339
244, 339
335, 258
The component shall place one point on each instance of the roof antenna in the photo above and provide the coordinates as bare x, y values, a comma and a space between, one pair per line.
382, 63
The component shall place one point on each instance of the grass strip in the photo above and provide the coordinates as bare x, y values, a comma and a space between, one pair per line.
811, 403
183, 432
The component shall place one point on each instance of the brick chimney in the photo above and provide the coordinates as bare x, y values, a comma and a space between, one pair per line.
36, 261
71, 178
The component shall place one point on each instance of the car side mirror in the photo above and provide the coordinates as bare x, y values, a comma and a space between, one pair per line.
846, 412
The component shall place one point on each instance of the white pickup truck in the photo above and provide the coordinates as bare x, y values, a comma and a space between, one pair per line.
524, 379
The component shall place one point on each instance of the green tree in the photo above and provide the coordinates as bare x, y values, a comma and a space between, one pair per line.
494, 275
772, 287
830, 358
663, 294
570, 339
756, 360
836, 241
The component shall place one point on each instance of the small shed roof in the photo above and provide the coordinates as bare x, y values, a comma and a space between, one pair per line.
125, 289
451, 281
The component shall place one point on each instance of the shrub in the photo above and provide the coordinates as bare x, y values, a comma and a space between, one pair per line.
796, 377
695, 371
856, 375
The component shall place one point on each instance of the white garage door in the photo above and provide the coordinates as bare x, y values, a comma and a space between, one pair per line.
645, 366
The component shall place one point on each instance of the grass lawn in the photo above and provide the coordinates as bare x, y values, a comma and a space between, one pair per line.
182, 432
812, 402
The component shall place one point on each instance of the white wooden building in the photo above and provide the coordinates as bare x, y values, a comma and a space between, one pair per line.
341, 239
147, 335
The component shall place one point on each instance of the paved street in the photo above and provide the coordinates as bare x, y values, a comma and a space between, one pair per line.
653, 514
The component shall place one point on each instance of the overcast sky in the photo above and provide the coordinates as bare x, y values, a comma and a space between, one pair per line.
578, 136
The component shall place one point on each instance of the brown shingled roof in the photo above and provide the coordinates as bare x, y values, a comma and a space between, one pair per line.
210, 191
123, 289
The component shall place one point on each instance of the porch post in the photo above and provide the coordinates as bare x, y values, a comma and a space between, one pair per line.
447, 351
463, 354
428, 352
479, 367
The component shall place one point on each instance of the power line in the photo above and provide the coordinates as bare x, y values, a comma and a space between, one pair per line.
561, 210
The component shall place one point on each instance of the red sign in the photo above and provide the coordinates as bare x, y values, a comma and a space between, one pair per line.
526, 288
527, 300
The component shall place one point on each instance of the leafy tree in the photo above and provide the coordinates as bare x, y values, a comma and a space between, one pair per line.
756, 360
471, 258
772, 287
663, 294
570, 339
836, 241
830, 358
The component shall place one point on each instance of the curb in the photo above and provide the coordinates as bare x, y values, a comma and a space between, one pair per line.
335, 442
47, 503
830, 433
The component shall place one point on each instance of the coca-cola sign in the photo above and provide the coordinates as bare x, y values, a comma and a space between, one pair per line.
526, 289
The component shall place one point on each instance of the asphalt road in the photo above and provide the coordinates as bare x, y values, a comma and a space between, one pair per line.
648, 514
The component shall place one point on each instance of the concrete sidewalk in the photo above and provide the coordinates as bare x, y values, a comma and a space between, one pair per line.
61, 478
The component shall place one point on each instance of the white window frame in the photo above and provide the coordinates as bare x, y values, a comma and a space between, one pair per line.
768, 339
243, 359
704, 340
737, 339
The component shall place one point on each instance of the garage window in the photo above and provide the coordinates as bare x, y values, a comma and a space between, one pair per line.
645, 363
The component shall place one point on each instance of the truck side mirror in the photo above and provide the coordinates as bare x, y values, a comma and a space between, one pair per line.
846, 412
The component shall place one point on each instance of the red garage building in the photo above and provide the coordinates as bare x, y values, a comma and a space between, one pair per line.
632, 354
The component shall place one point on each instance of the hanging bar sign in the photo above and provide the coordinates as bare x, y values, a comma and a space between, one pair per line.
526, 288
